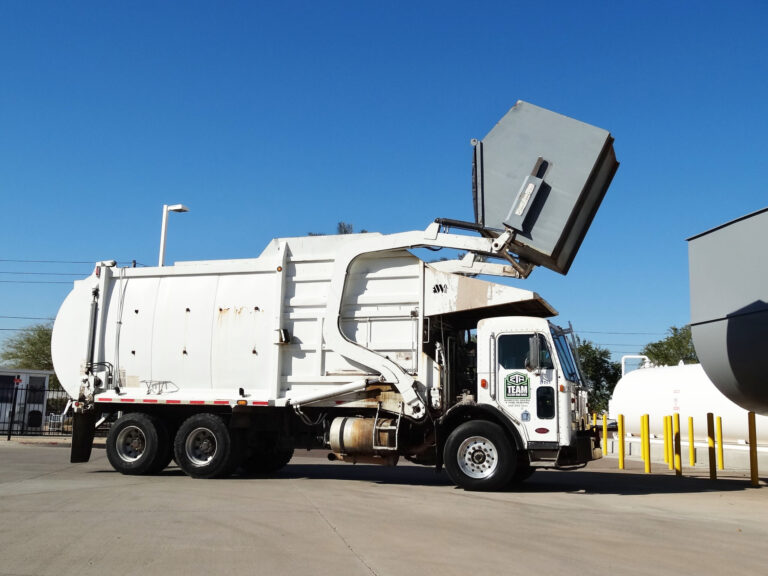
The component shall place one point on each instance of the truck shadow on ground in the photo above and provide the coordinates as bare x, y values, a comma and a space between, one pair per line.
545, 482
625, 483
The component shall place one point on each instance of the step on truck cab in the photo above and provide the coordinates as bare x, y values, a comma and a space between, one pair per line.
351, 343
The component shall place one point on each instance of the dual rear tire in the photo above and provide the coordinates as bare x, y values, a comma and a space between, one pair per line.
138, 444
203, 447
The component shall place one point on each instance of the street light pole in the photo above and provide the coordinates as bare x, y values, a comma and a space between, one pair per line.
166, 209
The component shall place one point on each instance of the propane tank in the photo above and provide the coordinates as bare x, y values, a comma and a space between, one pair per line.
684, 390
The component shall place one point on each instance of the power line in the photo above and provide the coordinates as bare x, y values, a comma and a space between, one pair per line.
48, 261
43, 273
621, 333
618, 344
94, 261
28, 317
35, 282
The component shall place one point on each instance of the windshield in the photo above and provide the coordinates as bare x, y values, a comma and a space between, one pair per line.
566, 357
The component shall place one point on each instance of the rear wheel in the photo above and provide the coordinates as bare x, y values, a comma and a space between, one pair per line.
137, 444
204, 447
166, 447
478, 456
268, 455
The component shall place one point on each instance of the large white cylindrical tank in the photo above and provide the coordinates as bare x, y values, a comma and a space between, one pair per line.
684, 390
69, 341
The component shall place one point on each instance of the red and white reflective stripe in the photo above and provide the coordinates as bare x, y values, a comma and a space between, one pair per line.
172, 401
177, 401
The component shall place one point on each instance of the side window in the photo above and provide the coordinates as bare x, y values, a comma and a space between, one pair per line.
36, 390
545, 356
545, 402
6, 389
513, 350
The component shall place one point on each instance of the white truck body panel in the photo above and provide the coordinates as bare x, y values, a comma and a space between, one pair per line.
352, 305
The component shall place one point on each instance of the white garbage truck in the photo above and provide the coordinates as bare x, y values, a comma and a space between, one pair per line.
353, 343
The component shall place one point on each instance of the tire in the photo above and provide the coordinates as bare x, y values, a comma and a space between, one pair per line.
268, 451
166, 447
267, 461
478, 456
137, 445
523, 470
204, 447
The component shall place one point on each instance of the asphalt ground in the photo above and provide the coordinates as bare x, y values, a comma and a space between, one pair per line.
317, 517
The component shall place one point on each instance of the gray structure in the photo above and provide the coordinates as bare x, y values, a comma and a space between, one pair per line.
23, 395
554, 169
729, 307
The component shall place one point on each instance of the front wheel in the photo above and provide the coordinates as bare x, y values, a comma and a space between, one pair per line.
478, 456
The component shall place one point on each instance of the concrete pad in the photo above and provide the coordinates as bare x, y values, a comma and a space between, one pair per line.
317, 517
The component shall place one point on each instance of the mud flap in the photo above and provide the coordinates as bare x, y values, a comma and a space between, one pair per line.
83, 431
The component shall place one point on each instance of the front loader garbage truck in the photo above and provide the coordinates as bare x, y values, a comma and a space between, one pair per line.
352, 343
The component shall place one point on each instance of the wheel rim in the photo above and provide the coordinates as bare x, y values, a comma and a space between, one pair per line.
130, 443
200, 446
478, 457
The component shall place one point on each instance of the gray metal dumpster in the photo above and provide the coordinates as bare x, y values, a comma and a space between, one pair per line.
729, 307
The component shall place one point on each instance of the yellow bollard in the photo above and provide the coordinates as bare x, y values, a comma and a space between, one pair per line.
676, 437
647, 442
670, 445
621, 441
691, 445
711, 445
666, 441
720, 462
755, 481
594, 419
605, 434
642, 439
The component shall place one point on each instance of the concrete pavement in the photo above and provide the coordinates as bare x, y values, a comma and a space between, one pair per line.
317, 517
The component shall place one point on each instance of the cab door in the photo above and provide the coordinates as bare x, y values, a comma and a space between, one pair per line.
524, 392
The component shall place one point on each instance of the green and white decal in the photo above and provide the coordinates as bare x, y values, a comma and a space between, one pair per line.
517, 386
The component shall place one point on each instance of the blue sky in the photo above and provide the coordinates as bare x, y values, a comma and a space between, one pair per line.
277, 119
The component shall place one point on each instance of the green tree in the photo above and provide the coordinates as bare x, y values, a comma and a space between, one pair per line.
341, 228
669, 351
600, 372
30, 349
344, 228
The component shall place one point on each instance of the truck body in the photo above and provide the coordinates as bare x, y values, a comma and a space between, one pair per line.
351, 343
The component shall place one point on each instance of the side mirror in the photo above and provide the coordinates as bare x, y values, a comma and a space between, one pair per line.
534, 356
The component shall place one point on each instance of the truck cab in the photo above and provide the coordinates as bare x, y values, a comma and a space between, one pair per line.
526, 409
526, 369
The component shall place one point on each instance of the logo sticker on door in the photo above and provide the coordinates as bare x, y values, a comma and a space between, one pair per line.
517, 386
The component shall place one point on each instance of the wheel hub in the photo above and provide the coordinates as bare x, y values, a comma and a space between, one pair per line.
130, 443
478, 457
200, 446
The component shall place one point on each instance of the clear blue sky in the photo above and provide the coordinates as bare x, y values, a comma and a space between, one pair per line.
278, 119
